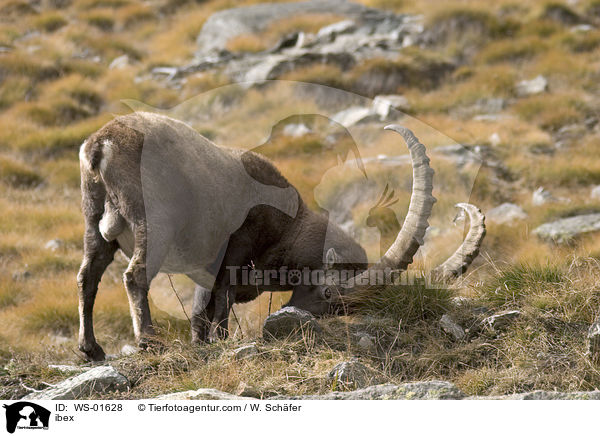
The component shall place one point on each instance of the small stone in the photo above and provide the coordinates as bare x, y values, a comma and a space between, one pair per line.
595, 194
168, 72
506, 213
384, 104
593, 338
245, 351
296, 130
501, 320
289, 322
541, 196
582, 28
451, 327
532, 87
366, 343
351, 374
495, 139
243, 390
128, 350
53, 245
119, 63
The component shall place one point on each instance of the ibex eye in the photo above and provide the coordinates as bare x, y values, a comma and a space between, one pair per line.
327, 293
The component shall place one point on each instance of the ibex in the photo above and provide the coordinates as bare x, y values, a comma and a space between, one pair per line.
174, 202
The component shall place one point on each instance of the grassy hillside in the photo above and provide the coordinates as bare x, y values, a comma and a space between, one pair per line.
58, 84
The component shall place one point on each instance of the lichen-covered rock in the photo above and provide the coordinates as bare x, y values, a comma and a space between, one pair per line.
67, 369
532, 87
289, 322
366, 342
427, 390
245, 351
566, 229
100, 379
352, 374
501, 320
128, 349
593, 338
229, 23
362, 33
544, 395
200, 394
452, 328
54, 245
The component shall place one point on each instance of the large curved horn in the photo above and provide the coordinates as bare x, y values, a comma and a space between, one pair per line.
458, 263
410, 238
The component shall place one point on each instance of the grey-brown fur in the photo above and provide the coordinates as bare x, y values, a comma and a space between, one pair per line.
123, 192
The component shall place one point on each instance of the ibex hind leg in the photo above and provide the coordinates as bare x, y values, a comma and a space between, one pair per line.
97, 255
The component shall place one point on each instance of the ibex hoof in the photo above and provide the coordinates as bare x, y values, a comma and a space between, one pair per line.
93, 353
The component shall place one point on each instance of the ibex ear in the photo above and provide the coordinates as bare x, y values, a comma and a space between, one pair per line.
331, 258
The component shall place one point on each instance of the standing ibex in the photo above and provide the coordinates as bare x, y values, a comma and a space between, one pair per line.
172, 201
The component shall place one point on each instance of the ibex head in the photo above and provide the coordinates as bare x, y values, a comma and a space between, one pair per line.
404, 243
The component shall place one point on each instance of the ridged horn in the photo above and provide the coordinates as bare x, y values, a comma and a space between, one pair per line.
458, 263
410, 237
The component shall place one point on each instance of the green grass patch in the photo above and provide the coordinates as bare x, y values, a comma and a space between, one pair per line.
50, 21
512, 284
551, 111
58, 318
511, 50
17, 174
58, 139
408, 304
10, 293
100, 19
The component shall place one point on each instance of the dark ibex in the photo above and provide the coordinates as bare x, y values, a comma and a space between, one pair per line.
174, 202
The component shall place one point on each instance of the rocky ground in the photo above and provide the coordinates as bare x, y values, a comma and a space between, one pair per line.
348, 380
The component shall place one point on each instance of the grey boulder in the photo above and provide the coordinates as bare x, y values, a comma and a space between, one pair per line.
566, 229
101, 379
289, 322
352, 374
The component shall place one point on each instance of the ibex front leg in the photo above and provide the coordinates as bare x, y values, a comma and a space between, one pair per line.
137, 280
224, 299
